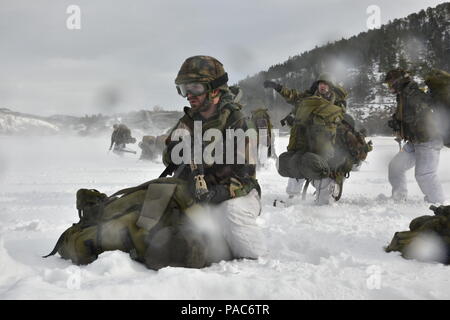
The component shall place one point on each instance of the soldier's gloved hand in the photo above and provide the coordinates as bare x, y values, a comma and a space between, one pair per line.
273, 85
289, 119
216, 194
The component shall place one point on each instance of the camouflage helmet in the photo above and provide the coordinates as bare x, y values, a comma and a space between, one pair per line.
204, 69
325, 77
396, 74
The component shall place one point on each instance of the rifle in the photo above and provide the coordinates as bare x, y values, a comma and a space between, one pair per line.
201, 188
168, 170
124, 150
399, 141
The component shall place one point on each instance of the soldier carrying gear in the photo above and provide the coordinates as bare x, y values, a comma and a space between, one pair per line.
120, 137
351, 149
414, 123
205, 213
312, 139
203, 81
438, 83
237, 93
261, 119
148, 147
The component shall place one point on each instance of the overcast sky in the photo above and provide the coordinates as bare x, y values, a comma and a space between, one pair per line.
127, 53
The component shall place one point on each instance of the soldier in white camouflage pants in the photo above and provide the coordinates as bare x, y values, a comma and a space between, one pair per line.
414, 122
425, 158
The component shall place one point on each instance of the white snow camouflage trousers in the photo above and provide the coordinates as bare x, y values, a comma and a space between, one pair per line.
237, 218
323, 190
425, 158
294, 186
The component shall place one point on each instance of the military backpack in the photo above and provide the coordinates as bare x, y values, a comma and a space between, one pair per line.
438, 81
153, 222
435, 228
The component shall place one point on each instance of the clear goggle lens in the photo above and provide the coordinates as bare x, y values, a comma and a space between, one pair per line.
195, 88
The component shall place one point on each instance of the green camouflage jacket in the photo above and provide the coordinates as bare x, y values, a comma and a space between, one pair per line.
238, 178
295, 97
314, 129
414, 115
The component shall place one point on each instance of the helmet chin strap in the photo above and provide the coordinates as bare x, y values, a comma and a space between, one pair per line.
208, 102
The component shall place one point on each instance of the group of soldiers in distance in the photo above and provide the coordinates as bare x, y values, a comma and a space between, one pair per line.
151, 146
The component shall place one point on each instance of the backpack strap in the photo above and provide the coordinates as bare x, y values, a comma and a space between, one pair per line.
131, 189
57, 245
305, 188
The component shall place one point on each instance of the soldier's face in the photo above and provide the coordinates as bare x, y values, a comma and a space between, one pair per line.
391, 86
197, 102
324, 88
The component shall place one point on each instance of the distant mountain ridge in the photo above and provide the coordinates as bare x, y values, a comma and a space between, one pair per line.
144, 122
19, 123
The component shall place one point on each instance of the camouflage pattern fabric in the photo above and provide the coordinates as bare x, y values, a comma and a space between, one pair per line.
315, 127
148, 147
261, 119
299, 165
199, 69
229, 116
438, 81
414, 115
436, 227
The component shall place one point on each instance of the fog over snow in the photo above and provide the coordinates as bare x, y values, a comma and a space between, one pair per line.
331, 252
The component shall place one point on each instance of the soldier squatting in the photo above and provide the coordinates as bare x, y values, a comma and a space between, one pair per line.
200, 212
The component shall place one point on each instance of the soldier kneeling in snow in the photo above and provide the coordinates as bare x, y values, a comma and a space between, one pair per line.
203, 214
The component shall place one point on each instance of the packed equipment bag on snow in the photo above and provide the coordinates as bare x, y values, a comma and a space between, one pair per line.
426, 233
438, 81
152, 222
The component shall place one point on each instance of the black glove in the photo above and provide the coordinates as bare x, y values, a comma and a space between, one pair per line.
394, 124
216, 194
273, 85
289, 119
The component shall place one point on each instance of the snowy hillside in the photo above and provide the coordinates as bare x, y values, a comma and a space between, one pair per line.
16, 123
418, 43
143, 122
333, 252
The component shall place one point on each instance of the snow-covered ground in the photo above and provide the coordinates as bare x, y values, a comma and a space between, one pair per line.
333, 252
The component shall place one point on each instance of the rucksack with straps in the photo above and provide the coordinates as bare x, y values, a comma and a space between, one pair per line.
351, 147
315, 125
153, 222
435, 230
438, 82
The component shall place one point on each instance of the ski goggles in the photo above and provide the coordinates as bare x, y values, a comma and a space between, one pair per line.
194, 88
199, 88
